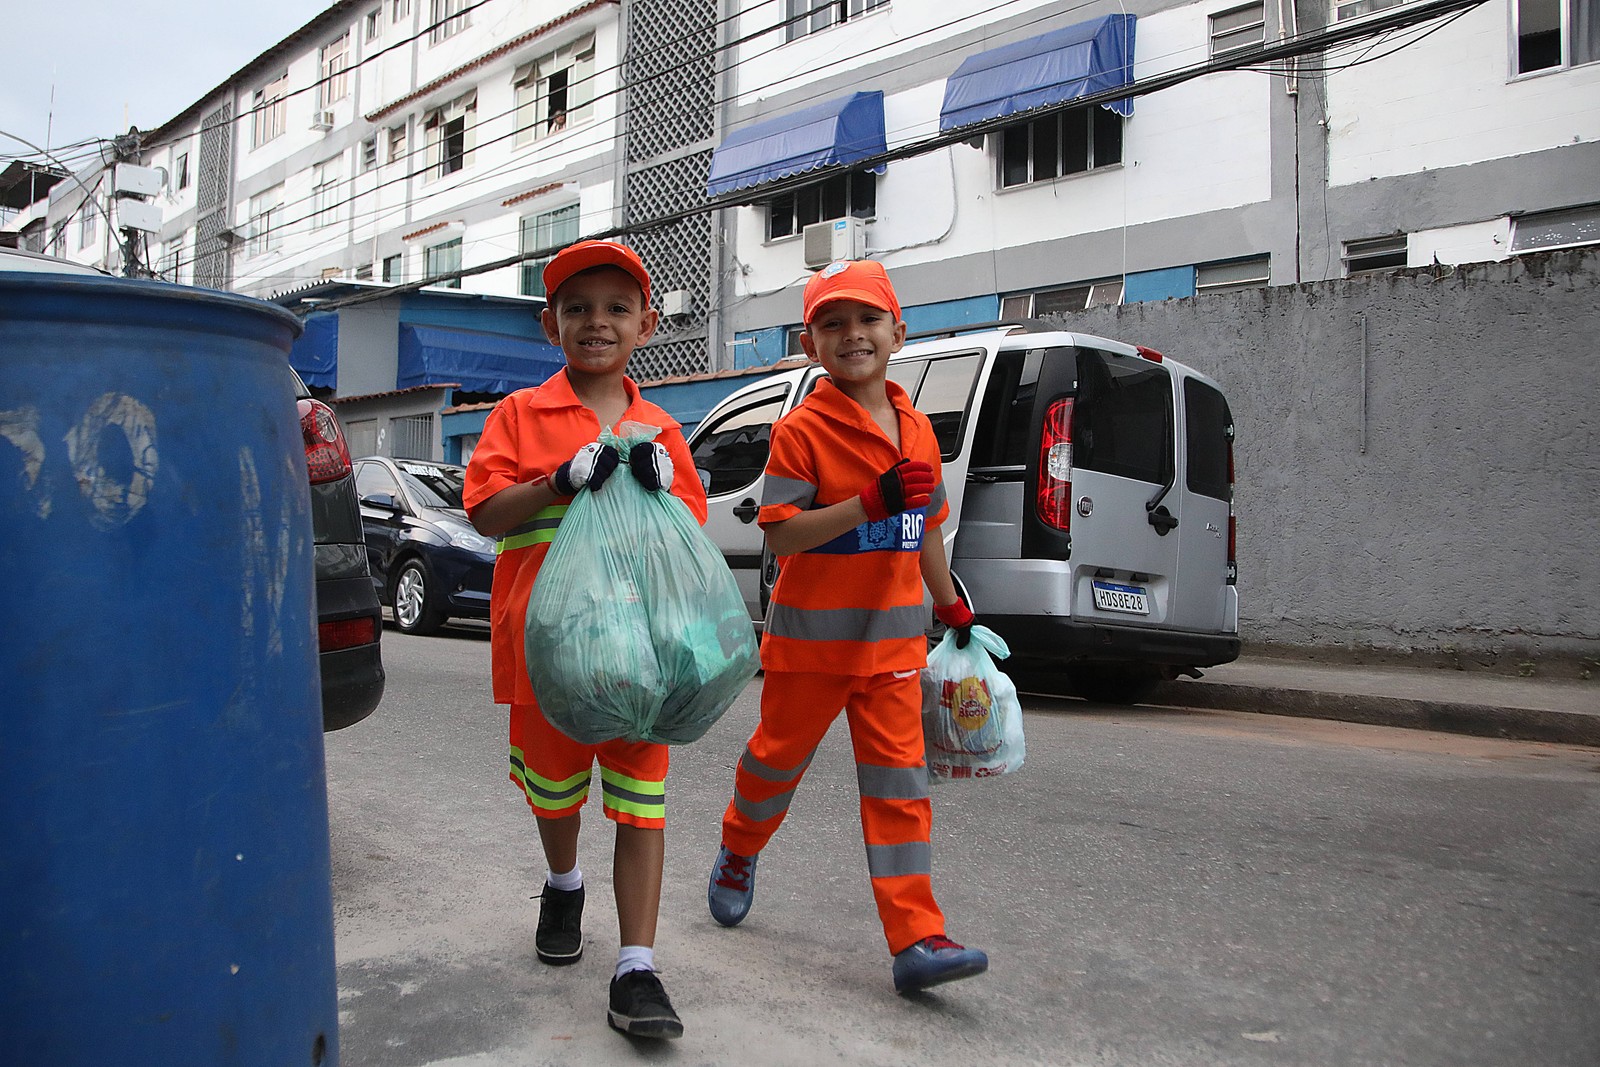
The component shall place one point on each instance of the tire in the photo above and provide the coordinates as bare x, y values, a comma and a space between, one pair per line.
414, 612
1112, 685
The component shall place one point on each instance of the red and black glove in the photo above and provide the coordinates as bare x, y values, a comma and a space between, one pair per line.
958, 617
906, 485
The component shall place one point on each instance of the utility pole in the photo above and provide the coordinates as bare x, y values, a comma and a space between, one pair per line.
135, 215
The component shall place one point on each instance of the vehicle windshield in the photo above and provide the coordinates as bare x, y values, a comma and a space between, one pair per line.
433, 485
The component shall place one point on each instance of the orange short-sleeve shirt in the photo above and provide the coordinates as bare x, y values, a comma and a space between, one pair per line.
529, 434
854, 605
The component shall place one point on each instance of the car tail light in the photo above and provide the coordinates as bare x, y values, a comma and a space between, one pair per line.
346, 633
327, 454
1233, 523
1149, 353
1053, 500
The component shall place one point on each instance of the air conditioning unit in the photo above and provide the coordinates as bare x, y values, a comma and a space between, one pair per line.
674, 303
833, 240
322, 120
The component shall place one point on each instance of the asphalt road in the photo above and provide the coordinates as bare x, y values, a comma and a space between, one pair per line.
1156, 886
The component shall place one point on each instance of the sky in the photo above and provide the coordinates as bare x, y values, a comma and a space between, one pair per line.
137, 62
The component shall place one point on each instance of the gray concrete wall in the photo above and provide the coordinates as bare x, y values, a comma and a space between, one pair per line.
1417, 455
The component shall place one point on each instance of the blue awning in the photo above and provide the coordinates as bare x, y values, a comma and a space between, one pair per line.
1065, 64
315, 354
835, 132
477, 362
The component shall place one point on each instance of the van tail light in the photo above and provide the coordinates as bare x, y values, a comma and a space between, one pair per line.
327, 454
346, 633
1233, 522
1054, 497
1149, 353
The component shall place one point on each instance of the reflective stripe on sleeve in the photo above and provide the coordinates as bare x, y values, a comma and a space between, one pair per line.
778, 490
892, 861
892, 783
539, 530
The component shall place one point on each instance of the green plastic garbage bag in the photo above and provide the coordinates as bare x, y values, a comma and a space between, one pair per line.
636, 628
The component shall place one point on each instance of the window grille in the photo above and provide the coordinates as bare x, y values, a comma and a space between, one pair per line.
412, 437
1238, 28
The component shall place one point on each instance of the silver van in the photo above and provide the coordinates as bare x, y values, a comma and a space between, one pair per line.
1091, 499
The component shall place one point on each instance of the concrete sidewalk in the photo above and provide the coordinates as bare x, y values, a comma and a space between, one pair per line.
1421, 698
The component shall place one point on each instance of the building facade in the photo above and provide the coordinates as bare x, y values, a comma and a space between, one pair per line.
1467, 137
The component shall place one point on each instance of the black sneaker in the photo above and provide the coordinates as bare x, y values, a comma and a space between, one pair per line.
639, 1006
559, 939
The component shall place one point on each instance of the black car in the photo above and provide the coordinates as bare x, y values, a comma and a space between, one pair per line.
428, 563
349, 618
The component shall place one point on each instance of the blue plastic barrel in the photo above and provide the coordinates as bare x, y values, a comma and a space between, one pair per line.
165, 892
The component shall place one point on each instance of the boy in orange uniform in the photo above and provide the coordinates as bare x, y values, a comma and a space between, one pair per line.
538, 448
852, 508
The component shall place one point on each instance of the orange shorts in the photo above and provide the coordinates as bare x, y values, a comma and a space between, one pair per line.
553, 771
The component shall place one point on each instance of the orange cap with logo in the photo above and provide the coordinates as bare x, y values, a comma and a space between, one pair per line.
587, 254
863, 280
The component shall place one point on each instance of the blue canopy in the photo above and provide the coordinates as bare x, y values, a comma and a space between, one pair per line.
477, 362
837, 131
315, 354
1065, 64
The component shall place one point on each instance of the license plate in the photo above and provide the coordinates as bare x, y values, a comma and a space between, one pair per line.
1109, 596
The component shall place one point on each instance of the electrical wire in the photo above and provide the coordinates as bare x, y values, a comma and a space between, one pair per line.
1195, 70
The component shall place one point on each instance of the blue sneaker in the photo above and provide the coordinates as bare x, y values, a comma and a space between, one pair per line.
933, 960
732, 888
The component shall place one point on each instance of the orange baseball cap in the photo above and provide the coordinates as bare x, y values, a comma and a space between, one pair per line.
586, 254
862, 280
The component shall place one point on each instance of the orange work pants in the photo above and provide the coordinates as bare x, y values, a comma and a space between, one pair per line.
885, 716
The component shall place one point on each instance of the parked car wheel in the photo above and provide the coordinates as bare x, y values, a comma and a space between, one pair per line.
413, 614
1112, 684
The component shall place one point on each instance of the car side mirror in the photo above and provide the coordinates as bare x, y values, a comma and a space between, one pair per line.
705, 478
384, 501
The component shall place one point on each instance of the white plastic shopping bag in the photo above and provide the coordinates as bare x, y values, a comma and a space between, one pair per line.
971, 717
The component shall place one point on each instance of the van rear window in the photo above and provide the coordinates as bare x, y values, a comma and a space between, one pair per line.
1208, 433
1122, 420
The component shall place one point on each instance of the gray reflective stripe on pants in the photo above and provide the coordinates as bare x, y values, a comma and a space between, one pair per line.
892, 783
772, 774
890, 861
761, 811
846, 624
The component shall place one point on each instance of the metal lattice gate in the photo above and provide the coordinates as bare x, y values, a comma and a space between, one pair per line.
671, 77
213, 263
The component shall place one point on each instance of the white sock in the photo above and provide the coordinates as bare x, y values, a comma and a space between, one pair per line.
635, 958
573, 879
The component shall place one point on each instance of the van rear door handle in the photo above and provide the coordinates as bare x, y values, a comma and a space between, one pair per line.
1163, 520
747, 511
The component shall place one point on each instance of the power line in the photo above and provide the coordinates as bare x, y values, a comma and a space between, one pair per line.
1302, 44
575, 145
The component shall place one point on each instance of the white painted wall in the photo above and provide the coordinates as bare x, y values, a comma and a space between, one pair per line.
1473, 242
1450, 100
1203, 146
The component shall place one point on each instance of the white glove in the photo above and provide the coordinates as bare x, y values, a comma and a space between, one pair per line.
651, 464
590, 467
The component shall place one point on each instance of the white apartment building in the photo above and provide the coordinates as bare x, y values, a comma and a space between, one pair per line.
394, 140
1468, 137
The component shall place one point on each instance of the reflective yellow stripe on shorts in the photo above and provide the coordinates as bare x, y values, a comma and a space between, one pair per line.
539, 530
543, 793
633, 796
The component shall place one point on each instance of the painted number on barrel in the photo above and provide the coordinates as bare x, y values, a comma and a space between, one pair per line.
116, 490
